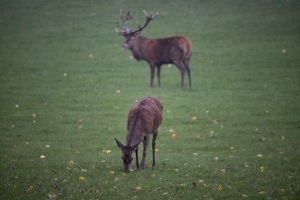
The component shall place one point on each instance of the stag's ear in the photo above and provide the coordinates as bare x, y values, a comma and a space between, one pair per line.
119, 143
136, 145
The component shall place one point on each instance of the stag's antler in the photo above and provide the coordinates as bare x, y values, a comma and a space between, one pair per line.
125, 30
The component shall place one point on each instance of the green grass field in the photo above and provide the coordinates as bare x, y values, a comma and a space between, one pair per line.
66, 88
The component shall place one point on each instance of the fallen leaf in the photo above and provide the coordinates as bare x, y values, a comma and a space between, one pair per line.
138, 188
262, 192
71, 162
81, 178
174, 136
220, 187
262, 168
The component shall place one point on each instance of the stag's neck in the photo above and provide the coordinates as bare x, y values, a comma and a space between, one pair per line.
137, 50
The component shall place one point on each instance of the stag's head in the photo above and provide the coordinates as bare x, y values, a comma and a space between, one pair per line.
131, 35
127, 155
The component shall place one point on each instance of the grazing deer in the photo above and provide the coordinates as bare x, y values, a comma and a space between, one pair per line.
172, 50
144, 118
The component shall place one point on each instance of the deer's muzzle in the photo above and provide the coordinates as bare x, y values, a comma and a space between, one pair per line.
125, 46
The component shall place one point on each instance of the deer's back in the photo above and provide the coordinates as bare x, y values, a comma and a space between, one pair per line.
164, 50
145, 116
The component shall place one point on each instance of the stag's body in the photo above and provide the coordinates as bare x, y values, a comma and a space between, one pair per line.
172, 50
144, 118
175, 50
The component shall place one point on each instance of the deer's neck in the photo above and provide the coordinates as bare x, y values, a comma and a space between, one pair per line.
134, 134
138, 48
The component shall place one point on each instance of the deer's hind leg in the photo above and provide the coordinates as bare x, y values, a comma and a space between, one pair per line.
187, 68
181, 68
145, 143
153, 148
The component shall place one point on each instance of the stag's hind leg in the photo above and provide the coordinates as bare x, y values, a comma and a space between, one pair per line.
181, 68
153, 147
187, 68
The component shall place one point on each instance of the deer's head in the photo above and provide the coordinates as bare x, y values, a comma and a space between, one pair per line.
127, 155
131, 35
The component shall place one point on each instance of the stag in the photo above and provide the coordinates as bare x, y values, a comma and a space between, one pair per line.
171, 50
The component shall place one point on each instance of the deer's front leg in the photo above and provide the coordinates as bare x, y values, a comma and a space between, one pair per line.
137, 158
145, 143
152, 69
158, 74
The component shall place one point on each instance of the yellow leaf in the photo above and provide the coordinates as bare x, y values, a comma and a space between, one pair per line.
156, 150
220, 187
138, 188
262, 168
81, 178
71, 162
259, 156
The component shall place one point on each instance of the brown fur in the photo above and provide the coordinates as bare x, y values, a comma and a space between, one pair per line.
144, 118
172, 50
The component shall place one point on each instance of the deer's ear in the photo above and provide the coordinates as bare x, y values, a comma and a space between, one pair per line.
136, 145
119, 143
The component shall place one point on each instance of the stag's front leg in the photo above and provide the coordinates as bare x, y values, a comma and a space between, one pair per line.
145, 143
137, 158
152, 68
153, 147
158, 74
